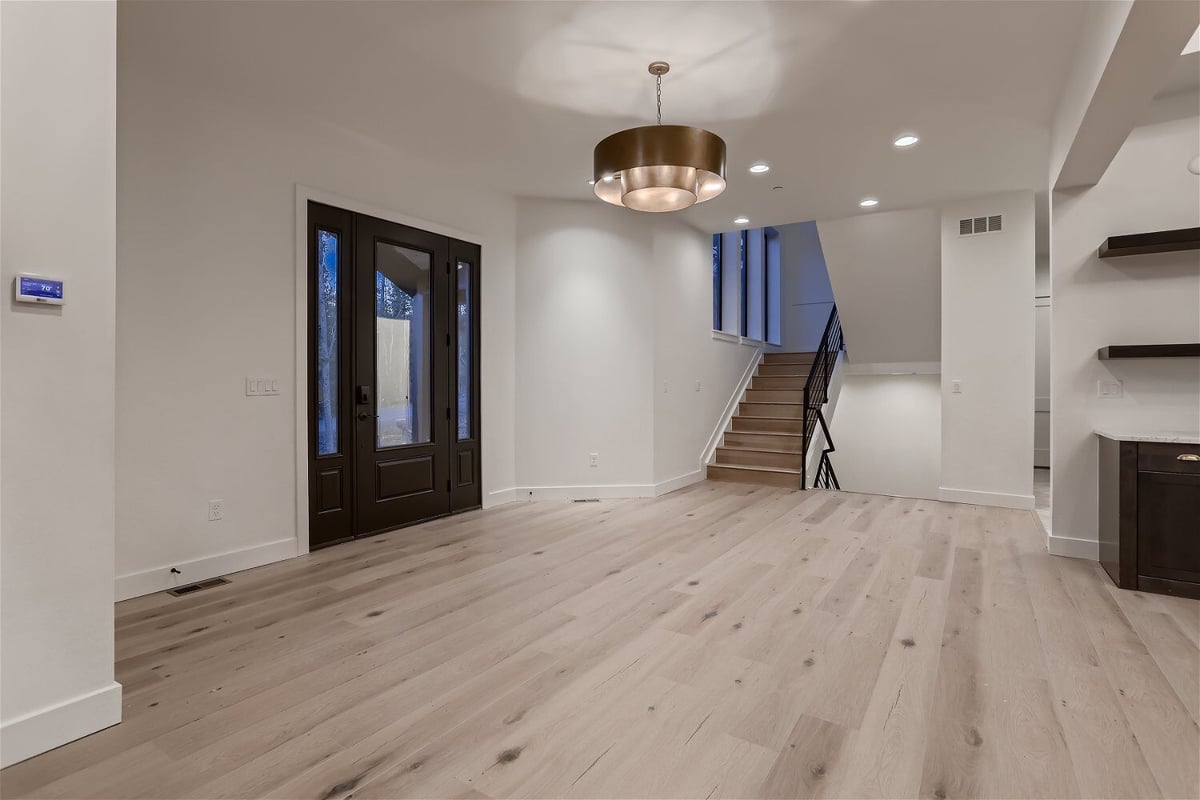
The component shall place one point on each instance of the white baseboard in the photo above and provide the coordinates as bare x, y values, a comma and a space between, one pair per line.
1073, 548
50, 727
500, 497
679, 482
592, 492
581, 492
136, 584
999, 499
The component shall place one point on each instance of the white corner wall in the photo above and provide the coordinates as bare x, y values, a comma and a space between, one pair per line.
988, 347
206, 297
806, 293
885, 269
1135, 300
695, 375
614, 316
58, 162
887, 429
585, 347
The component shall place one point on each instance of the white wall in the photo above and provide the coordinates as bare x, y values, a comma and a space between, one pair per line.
988, 346
585, 345
1041, 369
885, 269
1134, 300
887, 430
614, 315
206, 199
685, 353
56, 404
806, 294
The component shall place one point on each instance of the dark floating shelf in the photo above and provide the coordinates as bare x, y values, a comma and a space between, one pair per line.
1137, 244
1149, 351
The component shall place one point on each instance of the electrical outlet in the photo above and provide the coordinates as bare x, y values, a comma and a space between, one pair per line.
697, 386
593, 459
956, 386
216, 510
666, 386
1109, 390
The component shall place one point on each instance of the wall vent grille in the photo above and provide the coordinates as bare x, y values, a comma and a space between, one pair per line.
976, 225
198, 586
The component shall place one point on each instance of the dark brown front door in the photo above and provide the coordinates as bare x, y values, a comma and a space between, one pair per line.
394, 343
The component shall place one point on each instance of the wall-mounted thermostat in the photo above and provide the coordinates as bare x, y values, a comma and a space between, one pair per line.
38, 289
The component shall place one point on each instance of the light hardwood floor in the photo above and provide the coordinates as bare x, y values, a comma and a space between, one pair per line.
722, 641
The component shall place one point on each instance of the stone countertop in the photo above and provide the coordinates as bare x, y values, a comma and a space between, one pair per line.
1166, 437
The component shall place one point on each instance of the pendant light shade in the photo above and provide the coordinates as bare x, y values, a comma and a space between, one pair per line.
659, 167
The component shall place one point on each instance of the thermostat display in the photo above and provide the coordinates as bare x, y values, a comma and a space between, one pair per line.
36, 289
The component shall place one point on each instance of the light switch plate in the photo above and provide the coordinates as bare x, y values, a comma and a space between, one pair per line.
262, 386
1109, 390
956, 386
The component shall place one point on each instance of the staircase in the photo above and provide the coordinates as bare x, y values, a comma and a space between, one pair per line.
767, 439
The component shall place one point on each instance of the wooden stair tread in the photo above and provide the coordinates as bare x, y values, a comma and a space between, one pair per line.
741, 449
784, 470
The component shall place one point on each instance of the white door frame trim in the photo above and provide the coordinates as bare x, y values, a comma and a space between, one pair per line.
303, 195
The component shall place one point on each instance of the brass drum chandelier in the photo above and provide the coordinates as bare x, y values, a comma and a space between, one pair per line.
659, 167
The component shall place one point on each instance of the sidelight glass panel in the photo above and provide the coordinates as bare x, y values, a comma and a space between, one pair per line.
327, 342
463, 363
403, 368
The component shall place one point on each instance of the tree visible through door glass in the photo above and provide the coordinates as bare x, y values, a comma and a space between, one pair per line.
403, 379
327, 342
463, 381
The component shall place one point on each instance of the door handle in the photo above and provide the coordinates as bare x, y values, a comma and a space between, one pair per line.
364, 415
1187, 457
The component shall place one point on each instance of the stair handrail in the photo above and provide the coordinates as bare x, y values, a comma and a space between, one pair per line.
816, 388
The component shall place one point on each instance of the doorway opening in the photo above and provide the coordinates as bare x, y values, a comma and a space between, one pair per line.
393, 365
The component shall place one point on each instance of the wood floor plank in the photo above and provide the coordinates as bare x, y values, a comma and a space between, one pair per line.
725, 640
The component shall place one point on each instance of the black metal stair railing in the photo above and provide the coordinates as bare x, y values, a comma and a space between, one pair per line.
816, 395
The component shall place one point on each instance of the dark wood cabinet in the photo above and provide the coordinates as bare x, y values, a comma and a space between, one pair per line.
1150, 515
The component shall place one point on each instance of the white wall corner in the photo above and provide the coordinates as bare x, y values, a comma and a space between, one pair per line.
136, 584
998, 499
38, 731
499, 497
1073, 548
678, 482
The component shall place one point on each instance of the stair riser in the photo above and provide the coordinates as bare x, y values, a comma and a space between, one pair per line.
768, 382
765, 441
782, 479
788, 358
757, 458
775, 395
783, 370
781, 410
763, 425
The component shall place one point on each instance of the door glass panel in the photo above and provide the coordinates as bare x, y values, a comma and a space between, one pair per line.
327, 343
403, 375
463, 363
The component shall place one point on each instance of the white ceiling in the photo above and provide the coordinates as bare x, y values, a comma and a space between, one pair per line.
519, 92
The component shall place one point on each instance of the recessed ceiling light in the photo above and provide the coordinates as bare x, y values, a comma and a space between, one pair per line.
741, 220
760, 168
868, 202
907, 140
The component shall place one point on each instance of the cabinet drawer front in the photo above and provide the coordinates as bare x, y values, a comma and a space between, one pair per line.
1169, 457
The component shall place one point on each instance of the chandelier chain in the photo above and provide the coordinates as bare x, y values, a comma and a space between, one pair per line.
658, 93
